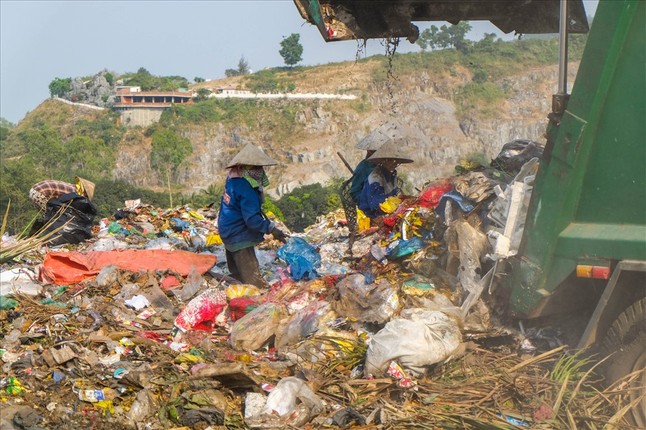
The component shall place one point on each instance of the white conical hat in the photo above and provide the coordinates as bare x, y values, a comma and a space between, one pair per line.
390, 129
395, 149
251, 155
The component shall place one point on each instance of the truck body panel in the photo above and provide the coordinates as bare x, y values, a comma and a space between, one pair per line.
589, 199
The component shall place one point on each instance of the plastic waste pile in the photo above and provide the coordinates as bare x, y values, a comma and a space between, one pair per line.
142, 326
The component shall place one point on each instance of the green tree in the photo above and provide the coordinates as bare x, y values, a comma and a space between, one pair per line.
4, 132
109, 77
168, 152
453, 36
202, 94
171, 83
487, 43
197, 79
243, 69
457, 36
4, 122
16, 178
291, 49
60, 86
89, 157
142, 79
243, 66
427, 38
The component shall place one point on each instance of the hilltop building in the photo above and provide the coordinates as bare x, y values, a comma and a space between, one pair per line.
144, 108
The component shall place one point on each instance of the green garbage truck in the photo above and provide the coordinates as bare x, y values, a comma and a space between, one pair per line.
583, 249
584, 243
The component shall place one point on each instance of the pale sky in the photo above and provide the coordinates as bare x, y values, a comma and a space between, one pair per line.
43, 40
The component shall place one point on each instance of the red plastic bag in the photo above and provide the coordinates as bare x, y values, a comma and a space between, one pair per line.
241, 306
431, 195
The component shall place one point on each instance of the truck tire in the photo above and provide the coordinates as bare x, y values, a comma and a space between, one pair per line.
626, 341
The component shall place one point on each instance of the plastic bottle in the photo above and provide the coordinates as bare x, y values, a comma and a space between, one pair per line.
94, 396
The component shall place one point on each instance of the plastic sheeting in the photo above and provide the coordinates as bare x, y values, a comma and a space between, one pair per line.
63, 268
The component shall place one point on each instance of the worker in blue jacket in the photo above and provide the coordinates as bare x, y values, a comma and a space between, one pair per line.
382, 182
241, 222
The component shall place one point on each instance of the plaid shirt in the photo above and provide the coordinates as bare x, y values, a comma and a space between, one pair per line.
53, 189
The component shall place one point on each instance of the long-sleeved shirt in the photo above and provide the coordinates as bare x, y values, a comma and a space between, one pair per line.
44, 191
53, 188
241, 221
379, 185
359, 177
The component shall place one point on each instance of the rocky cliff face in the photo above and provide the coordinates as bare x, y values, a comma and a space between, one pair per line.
309, 155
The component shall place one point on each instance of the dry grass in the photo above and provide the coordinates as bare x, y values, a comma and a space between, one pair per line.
482, 390
23, 242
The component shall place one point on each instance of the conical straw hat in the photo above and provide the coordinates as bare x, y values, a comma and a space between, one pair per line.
394, 149
86, 186
390, 129
251, 155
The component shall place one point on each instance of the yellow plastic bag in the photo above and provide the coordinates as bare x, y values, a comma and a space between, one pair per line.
213, 239
363, 222
196, 215
390, 205
241, 290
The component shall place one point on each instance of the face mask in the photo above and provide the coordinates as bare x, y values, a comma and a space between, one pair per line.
256, 177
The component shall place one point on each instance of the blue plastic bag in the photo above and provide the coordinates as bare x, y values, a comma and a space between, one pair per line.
302, 258
463, 203
405, 247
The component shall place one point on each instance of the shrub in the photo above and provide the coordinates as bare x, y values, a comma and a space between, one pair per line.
302, 206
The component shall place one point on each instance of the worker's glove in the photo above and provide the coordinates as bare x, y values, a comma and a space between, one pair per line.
279, 234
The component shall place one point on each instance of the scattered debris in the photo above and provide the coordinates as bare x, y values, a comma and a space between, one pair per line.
142, 326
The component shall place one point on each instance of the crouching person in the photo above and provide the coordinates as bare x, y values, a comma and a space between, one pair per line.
67, 212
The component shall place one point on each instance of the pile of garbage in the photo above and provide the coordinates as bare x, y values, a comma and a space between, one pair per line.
141, 326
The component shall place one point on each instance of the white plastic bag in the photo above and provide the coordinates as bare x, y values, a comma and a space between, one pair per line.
427, 338
283, 399
254, 329
361, 301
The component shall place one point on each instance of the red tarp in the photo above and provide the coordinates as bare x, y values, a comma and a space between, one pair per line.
70, 267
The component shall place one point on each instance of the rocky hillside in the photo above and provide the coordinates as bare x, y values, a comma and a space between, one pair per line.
308, 154
457, 112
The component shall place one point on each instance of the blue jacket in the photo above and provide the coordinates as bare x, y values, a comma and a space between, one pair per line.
361, 172
379, 185
241, 218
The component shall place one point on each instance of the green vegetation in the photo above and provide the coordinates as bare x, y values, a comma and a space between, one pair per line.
59, 86
243, 69
291, 49
148, 82
110, 195
301, 207
453, 36
46, 148
5, 123
269, 81
362, 105
202, 94
481, 97
109, 77
270, 116
488, 60
168, 153
61, 142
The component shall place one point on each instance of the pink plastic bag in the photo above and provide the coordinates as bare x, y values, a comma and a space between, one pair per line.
200, 313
